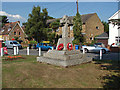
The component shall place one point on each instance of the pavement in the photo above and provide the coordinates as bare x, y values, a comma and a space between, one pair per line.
107, 56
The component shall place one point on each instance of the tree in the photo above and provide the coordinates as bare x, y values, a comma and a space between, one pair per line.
51, 37
49, 17
3, 20
35, 27
77, 28
54, 25
106, 26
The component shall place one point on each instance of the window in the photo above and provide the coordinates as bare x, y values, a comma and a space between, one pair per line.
14, 33
57, 30
91, 38
15, 42
9, 29
11, 42
97, 27
19, 33
71, 27
117, 39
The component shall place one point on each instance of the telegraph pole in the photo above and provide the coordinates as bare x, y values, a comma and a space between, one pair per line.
77, 6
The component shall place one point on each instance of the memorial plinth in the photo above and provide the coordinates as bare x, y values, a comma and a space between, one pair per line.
65, 56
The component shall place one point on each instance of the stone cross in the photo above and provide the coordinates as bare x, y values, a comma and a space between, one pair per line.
65, 31
65, 39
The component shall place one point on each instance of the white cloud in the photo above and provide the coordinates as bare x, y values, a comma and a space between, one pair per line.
13, 17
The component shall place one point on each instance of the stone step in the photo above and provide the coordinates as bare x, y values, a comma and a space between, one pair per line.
75, 56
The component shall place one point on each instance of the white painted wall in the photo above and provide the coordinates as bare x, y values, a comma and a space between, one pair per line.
113, 32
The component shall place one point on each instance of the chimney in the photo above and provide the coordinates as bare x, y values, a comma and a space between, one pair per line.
18, 22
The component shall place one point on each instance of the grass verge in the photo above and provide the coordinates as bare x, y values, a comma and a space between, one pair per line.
28, 73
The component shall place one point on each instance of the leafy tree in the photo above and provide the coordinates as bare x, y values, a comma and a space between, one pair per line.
51, 37
16, 38
77, 28
54, 25
106, 26
3, 20
49, 17
35, 27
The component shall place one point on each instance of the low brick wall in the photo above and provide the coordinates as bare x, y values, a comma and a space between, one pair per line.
115, 49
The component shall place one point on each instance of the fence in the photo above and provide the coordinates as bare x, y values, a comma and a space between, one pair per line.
28, 51
24, 51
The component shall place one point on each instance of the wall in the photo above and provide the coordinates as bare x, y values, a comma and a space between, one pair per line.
17, 29
104, 41
91, 25
89, 28
113, 32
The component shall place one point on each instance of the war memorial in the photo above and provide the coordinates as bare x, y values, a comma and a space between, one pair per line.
64, 55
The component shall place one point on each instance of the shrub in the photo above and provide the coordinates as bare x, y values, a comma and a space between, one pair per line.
33, 42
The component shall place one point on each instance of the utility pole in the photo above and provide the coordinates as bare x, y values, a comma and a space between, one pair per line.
77, 6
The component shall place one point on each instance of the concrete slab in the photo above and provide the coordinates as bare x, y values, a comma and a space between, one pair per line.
64, 63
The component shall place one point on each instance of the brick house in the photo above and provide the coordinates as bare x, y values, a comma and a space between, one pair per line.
11, 30
92, 26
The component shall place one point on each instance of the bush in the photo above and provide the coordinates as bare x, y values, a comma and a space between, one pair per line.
76, 42
33, 42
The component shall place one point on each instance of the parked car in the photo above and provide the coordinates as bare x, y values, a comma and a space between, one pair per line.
115, 44
12, 44
94, 48
44, 46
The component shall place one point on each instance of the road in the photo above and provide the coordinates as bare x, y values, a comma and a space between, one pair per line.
107, 56
24, 52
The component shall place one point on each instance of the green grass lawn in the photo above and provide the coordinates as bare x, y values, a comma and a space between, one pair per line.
28, 73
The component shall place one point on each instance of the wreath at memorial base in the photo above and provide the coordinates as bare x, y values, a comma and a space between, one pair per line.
60, 46
69, 46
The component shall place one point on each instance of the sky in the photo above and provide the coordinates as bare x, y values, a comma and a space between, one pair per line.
59, 0
19, 11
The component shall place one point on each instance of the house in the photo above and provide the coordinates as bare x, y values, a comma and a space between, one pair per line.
114, 29
92, 26
103, 38
11, 31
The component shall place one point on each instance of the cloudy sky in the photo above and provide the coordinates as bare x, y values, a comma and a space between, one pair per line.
59, 0
13, 17
19, 11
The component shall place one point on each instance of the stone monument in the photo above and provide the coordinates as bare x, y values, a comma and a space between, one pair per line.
64, 55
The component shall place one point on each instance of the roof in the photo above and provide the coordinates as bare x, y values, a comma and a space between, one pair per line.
84, 18
52, 20
102, 36
115, 16
7, 28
